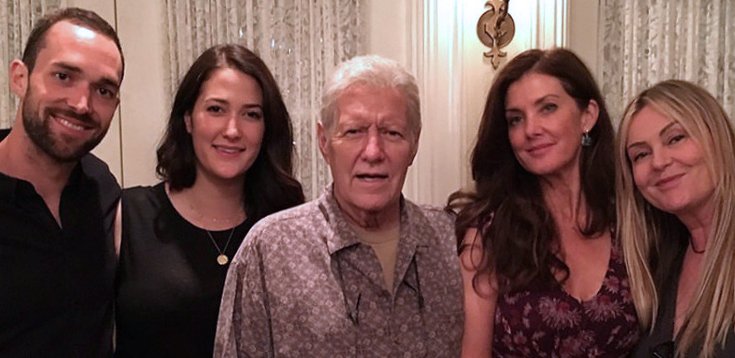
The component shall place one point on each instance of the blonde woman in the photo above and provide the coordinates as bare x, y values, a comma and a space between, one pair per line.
675, 202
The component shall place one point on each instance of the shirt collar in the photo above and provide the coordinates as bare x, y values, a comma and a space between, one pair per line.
9, 184
342, 235
77, 176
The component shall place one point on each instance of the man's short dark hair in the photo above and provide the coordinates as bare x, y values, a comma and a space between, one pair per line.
81, 17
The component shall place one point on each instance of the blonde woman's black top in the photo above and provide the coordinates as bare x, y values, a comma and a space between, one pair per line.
660, 342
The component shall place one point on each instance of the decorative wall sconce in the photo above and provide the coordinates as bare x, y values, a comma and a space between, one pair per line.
496, 28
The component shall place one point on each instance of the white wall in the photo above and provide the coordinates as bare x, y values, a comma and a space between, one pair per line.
583, 34
144, 104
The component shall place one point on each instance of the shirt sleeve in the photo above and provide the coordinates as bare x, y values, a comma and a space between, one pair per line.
244, 328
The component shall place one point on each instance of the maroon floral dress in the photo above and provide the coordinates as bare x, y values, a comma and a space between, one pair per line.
551, 323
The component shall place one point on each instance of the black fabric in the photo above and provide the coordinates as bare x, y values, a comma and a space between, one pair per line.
659, 343
57, 283
170, 284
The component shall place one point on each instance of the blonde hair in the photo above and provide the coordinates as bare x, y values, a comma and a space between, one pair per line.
711, 313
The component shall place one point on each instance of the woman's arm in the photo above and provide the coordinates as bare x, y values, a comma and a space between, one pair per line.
479, 307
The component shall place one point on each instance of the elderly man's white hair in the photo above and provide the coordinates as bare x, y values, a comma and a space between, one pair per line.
373, 71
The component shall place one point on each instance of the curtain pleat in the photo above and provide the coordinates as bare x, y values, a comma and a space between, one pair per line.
16, 20
647, 41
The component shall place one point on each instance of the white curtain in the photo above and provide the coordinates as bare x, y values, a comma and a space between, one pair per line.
646, 41
300, 41
16, 21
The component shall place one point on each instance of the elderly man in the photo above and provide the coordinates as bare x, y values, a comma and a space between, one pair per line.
57, 202
360, 271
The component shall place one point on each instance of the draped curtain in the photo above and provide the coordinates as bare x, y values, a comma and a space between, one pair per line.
16, 21
646, 41
300, 41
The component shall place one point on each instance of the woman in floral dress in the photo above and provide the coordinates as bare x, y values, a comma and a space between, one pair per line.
542, 269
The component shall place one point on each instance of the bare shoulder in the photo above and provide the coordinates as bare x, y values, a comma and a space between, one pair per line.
472, 250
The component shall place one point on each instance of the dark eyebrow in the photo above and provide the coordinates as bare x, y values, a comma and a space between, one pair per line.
68, 68
660, 133
223, 101
249, 107
218, 100
544, 98
535, 103
104, 81
109, 82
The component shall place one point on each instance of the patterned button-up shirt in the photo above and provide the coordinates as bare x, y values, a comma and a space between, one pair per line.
302, 285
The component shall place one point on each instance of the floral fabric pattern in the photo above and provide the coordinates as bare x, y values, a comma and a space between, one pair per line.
551, 323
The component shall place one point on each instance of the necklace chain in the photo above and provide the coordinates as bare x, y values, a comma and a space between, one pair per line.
212, 220
222, 258
206, 218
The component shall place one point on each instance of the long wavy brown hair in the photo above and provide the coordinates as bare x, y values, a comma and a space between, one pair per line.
518, 234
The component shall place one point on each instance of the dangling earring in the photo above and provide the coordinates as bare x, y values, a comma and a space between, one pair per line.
586, 139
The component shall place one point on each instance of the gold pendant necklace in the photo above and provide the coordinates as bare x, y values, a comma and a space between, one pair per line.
222, 259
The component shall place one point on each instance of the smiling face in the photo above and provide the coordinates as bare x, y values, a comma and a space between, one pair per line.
369, 150
545, 125
226, 125
669, 168
68, 100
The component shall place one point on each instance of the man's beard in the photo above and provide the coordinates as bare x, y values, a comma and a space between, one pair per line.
37, 126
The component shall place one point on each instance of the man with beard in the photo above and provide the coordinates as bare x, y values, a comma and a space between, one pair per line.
57, 202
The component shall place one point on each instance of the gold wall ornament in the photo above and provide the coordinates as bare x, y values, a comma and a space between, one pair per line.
496, 28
